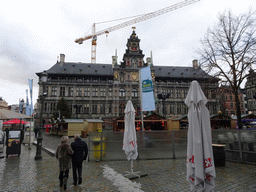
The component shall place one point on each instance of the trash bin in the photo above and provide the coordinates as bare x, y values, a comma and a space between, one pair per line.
97, 147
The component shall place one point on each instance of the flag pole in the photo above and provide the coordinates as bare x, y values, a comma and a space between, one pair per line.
141, 108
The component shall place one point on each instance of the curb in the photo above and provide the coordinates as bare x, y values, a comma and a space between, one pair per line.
47, 150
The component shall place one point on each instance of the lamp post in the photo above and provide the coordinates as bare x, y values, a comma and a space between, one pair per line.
21, 110
21, 107
77, 107
163, 97
38, 156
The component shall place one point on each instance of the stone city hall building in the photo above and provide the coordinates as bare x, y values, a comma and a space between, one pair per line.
102, 90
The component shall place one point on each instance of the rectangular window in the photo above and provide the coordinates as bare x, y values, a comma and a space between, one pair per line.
94, 108
178, 93
171, 93
171, 109
102, 92
185, 92
62, 91
70, 91
110, 108
45, 107
94, 92
110, 92
213, 94
102, 108
79, 91
86, 92
179, 109
86, 108
51, 107
54, 91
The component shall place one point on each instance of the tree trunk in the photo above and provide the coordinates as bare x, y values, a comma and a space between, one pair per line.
238, 110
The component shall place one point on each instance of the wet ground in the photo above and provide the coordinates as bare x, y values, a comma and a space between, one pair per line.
23, 173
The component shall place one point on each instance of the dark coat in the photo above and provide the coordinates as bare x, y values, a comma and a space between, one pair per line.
63, 154
80, 150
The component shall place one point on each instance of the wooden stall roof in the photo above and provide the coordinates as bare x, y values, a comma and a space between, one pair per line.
220, 117
74, 121
94, 120
6, 114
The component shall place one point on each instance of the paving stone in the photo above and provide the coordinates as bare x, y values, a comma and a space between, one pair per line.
23, 173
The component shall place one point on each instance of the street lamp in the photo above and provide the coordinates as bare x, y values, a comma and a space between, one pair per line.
38, 156
163, 97
21, 105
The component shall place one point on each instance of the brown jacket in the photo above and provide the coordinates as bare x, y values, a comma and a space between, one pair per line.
63, 154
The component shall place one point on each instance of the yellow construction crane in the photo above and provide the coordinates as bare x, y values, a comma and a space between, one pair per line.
137, 19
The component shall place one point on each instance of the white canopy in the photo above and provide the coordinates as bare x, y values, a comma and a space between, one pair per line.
200, 162
130, 139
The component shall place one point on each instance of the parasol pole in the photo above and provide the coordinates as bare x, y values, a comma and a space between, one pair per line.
132, 166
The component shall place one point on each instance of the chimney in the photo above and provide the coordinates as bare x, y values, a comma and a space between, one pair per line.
149, 61
195, 64
62, 59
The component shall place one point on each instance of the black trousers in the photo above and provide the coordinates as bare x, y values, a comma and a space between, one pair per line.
63, 174
77, 168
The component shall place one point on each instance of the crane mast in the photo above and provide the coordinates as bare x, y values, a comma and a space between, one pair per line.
138, 19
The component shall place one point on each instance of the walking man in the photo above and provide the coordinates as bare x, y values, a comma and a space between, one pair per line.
80, 153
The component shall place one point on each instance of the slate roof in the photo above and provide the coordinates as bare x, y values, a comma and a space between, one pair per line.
68, 68
81, 68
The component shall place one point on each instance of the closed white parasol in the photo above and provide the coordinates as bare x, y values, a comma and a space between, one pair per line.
200, 163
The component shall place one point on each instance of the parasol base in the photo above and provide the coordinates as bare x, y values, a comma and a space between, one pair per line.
135, 175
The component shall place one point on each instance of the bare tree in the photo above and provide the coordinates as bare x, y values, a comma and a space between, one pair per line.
229, 49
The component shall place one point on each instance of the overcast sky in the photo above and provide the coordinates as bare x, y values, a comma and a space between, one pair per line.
34, 33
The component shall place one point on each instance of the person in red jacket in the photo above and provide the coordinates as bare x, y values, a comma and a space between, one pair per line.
80, 153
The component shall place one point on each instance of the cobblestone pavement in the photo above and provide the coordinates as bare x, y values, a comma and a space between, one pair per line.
23, 173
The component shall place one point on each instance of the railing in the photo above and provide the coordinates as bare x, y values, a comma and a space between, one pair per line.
240, 144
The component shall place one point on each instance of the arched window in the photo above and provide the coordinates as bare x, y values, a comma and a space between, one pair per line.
121, 92
134, 93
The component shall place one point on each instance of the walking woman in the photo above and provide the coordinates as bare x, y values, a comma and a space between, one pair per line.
63, 154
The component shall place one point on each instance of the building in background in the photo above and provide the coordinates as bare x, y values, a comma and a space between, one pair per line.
227, 101
96, 91
250, 89
3, 104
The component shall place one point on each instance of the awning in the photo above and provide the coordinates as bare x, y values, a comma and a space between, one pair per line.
8, 114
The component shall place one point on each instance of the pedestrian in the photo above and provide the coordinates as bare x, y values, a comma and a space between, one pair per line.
80, 153
36, 131
63, 154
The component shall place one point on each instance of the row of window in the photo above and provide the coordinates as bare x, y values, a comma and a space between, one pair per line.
182, 93
85, 108
86, 91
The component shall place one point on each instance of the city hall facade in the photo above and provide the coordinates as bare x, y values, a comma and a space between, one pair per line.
102, 90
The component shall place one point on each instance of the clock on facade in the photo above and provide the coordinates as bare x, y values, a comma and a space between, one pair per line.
116, 75
134, 76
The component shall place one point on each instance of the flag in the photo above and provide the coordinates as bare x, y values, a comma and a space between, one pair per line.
27, 104
147, 96
30, 83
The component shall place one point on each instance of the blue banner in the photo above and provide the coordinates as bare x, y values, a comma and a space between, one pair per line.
30, 83
148, 101
27, 104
